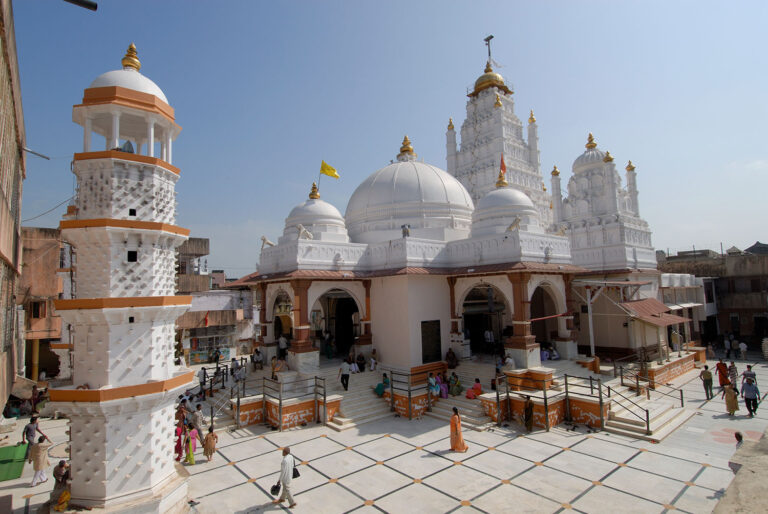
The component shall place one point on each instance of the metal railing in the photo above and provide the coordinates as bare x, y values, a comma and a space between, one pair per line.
275, 390
646, 420
575, 387
404, 382
678, 396
525, 387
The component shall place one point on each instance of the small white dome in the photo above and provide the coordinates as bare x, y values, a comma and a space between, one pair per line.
321, 219
131, 79
588, 158
432, 202
503, 207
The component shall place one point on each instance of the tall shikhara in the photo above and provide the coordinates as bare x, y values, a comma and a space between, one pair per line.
122, 224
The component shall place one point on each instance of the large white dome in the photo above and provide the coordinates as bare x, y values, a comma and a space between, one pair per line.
501, 208
408, 192
590, 157
130, 79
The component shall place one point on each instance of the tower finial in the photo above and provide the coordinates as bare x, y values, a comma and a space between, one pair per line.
555, 172
131, 59
608, 157
630, 166
450, 123
314, 194
591, 142
406, 151
498, 101
501, 181
532, 118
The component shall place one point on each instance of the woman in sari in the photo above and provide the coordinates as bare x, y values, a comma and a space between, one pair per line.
382, 386
434, 389
457, 440
443, 383
731, 399
190, 445
180, 435
722, 373
454, 385
209, 445
475, 391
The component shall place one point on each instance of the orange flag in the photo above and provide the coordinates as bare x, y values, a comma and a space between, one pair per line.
503, 166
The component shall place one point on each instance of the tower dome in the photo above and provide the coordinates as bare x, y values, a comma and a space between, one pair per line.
489, 79
505, 208
590, 157
322, 220
430, 201
129, 77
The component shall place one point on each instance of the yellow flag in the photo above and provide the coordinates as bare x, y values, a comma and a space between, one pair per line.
329, 170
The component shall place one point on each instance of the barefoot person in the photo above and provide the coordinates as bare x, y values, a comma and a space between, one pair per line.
38, 456
286, 474
457, 440
209, 445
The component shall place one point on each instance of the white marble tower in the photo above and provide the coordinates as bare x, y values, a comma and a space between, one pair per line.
490, 128
125, 382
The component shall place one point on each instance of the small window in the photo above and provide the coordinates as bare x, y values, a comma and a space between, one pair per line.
130, 319
131, 212
133, 256
38, 310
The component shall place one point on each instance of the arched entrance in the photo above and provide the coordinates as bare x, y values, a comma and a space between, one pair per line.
283, 322
342, 319
543, 305
483, 312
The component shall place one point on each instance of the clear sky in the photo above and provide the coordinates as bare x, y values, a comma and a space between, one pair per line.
265, 90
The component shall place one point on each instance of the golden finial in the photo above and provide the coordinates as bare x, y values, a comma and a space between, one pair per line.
314, 194
488, 68
501, 181
406, 147
532, 118
543, 187
131, 60
630, 166
608, 157
591, 142
555, 172
450, 123
498, 102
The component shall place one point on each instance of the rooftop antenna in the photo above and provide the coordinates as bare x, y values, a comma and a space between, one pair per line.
488, 44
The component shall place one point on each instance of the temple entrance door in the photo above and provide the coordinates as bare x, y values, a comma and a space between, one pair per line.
483, 311
283, 324
342, 320
542, 305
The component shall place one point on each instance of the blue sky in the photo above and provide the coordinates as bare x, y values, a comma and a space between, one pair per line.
265, 90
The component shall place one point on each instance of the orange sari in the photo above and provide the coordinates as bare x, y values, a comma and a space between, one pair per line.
457, 440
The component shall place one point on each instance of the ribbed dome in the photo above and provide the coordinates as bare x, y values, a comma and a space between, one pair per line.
590, 157
502, 207
432, 202
321, 219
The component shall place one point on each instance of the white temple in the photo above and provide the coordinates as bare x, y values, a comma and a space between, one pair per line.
125, 382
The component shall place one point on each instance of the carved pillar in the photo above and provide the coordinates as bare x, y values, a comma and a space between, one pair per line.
452, 291
366, 337
571, 306
521, 324
263, 313
301, 342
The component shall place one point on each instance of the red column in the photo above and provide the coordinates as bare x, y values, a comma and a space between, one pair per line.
301, 342
521, 324
366, 337
263, 313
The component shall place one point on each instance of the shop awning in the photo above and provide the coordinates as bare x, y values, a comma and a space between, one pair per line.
663, 320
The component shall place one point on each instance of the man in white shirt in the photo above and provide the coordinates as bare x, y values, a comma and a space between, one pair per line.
286, 474
727, 346
282, 344
344, 374
743, 350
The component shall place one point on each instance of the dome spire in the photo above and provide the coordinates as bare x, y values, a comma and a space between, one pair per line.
608, 157
555, 171
406, 151
630, 166
591, 142
498, 101
501, 181
314, 194
532, 118
131, 59
450, 123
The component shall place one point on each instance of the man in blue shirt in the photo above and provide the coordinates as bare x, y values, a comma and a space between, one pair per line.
751, 394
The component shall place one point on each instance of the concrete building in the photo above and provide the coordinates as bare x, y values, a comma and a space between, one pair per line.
47, 275
12, 174
122, 224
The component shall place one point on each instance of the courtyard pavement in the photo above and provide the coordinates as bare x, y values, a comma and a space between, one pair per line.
397, 465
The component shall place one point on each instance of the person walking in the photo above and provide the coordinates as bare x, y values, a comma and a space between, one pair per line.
731, 399
38, 456
722, 373
727, 347
528, 414
706, 379
31, 429
743, 350
748, 373
286, 474
344, 374
457, 439
282, 344
733, 376
750, 393
198, 421
209, 445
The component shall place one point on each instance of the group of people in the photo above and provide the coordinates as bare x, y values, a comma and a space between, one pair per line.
356, 364
731, 344
728, 377
189, 430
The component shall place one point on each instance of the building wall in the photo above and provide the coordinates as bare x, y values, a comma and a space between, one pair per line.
428, 300
12, 173
389, 326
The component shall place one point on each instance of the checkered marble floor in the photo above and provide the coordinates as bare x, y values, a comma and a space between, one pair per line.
396, 465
